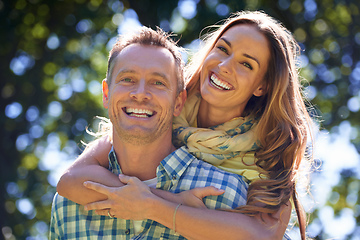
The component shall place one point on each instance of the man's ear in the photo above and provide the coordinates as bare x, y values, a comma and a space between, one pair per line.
179, 103
105, 90
260, 90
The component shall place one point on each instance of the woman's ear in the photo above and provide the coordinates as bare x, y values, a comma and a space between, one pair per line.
179, 103
105, 90
260, 90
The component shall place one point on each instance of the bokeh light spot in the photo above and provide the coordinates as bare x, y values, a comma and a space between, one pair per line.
20, 64
130, 23
95, 87
32, 113
353, 104
23, 141
78, 84
25, 206
222, 10
177, 23
117, 19
13, 110
53, 41
187, 8
310, 92
84, 26
36, 131
65, 92
55, 109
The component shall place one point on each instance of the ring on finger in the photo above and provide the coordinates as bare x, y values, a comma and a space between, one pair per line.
110, 214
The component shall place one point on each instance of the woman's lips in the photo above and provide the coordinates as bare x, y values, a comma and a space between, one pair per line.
219, 83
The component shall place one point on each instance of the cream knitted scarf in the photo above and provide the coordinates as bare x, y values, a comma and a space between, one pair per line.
229, 146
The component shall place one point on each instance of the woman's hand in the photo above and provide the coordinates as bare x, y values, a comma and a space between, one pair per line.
194, 197
127, 202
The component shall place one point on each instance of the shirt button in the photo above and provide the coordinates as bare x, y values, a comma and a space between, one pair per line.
127, 232
174, 177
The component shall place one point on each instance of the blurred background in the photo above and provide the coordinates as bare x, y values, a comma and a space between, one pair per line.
53, 56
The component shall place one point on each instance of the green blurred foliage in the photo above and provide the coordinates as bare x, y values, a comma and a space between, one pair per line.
54, 56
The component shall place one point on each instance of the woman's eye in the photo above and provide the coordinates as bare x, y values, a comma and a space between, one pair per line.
222, 49
247, 65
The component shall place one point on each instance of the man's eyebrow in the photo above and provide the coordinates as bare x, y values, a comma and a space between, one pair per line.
155, 74
245, 55
161, 75
124, 71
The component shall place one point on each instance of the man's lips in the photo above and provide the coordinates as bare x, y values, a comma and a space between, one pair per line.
219, 83
139, 112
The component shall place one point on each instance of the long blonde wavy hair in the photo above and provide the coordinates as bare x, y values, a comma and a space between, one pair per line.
284, 123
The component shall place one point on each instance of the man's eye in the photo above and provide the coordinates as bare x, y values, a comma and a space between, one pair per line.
247, 65
159, 83
126, 80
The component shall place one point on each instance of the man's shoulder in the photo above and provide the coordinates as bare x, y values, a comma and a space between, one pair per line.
192, 165
201, 174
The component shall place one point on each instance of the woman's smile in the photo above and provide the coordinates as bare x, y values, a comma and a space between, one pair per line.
219, 83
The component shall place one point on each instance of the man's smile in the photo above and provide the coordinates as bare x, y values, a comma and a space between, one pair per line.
138, 112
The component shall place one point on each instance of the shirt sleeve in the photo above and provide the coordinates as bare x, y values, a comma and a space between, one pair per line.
55, 225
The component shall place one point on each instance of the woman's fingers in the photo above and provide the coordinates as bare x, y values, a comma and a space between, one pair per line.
207, 191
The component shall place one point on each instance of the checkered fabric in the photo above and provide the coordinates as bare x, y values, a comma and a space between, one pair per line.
178, 172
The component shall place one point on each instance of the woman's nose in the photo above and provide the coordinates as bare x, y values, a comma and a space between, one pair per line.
225, 65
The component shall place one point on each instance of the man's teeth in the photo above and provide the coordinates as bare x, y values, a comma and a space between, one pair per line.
219, 83
139, 112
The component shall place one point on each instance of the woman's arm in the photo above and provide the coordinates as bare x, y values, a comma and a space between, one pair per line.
91, 165
196, 223
136, 201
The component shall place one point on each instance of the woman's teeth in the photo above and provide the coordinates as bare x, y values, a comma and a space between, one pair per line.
137, 112
216, 82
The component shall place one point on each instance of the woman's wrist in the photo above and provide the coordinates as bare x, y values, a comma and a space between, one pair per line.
165, 195
160, 210
152, 207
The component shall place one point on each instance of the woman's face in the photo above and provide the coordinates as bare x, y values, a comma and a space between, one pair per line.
234, 69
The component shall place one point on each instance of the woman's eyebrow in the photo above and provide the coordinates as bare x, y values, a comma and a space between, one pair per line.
251, 57
245, 55
226, 41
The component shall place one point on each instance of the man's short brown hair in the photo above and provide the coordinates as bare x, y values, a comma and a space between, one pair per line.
148, 37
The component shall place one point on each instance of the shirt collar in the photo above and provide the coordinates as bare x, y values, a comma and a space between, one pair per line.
176, 163
114, 166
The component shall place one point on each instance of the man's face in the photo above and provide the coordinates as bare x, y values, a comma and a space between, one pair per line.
141, 96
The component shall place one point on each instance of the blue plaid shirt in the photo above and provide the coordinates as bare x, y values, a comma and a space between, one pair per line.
178, 172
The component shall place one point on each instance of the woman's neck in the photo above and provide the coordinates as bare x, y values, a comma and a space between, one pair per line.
209, 116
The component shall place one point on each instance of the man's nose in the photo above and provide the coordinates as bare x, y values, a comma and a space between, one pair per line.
140, 92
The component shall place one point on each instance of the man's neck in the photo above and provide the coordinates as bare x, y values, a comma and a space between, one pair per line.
141, 160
